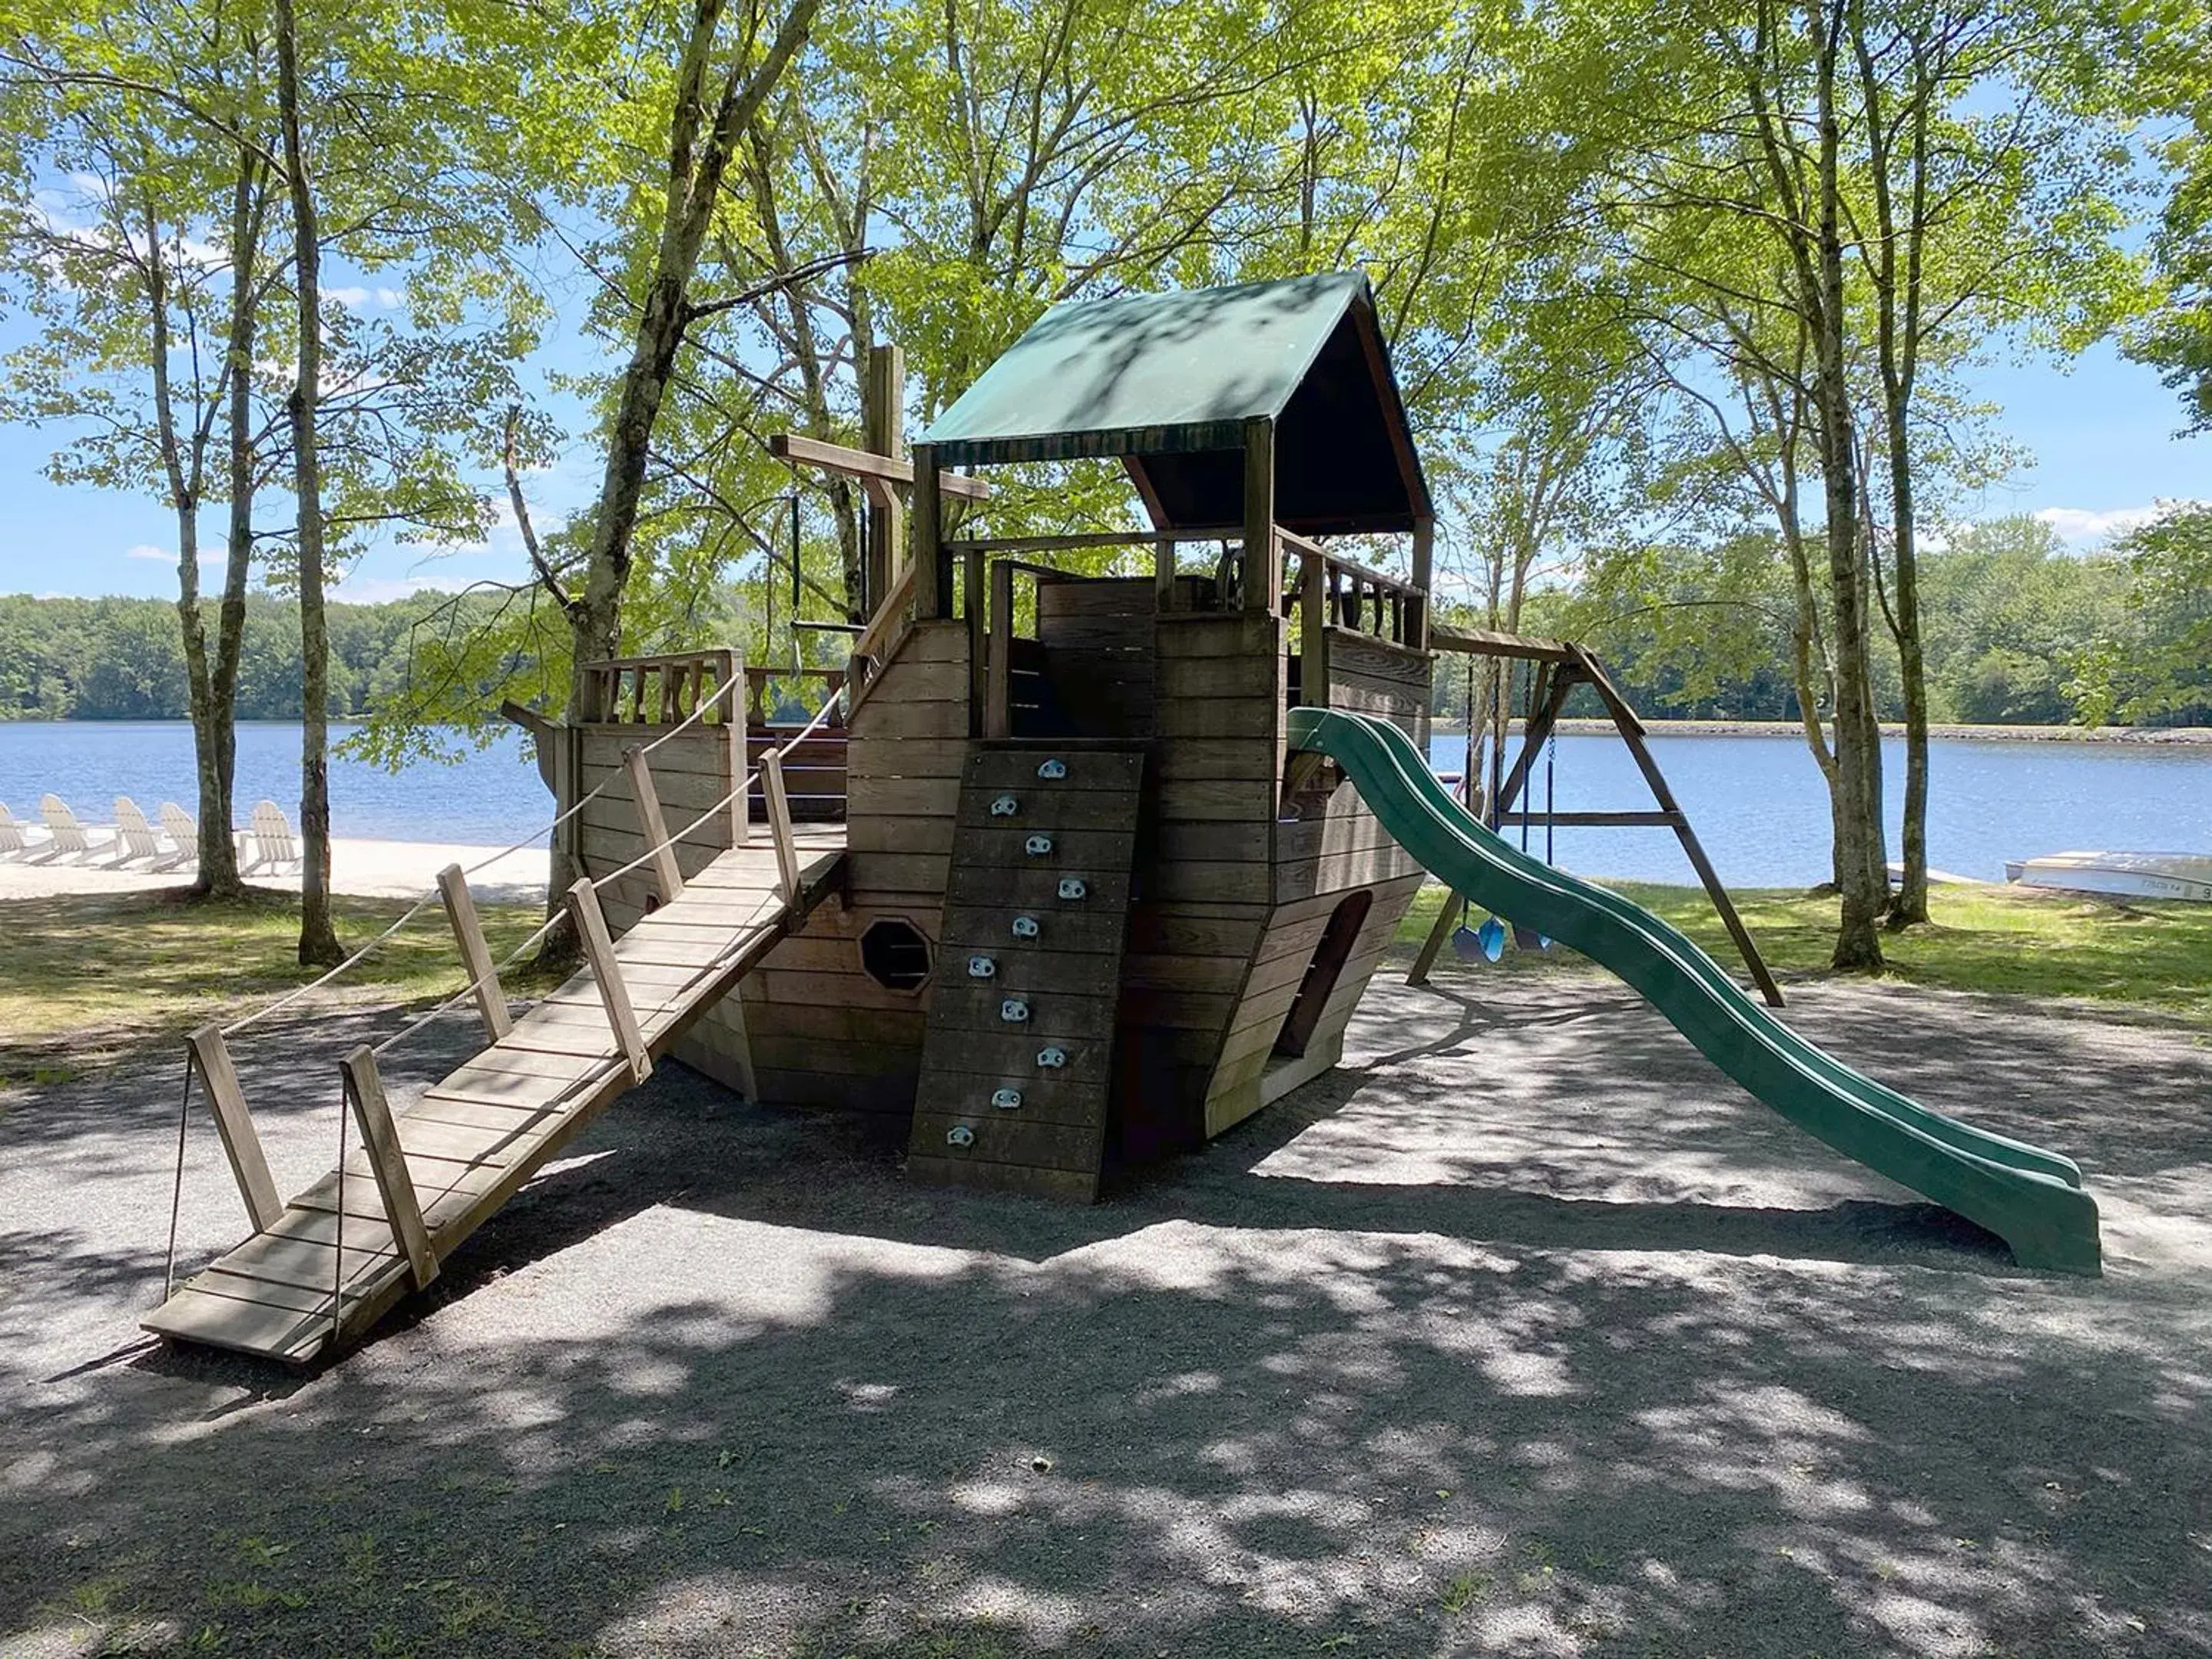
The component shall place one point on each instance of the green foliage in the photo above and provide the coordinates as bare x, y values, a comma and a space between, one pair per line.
121, 659
2151, 663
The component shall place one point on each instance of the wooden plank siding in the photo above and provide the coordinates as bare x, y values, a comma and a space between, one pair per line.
1064, 974
818, 1032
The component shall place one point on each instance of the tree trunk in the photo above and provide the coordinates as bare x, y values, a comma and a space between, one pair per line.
1912, 902
319, 941
700, 151
249, 213
1862, 870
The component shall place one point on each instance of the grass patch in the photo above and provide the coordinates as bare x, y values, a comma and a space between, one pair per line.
86, 975
2142, 953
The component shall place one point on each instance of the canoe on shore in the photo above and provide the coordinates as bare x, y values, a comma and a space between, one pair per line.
2130, 875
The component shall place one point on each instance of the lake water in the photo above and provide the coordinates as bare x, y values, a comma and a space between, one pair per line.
489, 800
1757, 802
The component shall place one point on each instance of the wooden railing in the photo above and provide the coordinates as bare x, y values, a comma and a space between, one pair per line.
1347, 594
759, 716
658, 690
812, 771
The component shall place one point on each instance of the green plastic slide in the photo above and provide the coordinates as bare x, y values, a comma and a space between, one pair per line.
2031, 1199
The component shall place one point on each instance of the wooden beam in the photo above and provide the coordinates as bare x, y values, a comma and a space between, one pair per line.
242, 1143
1632, 735
1433, 945
1594, 820
476, 955
1262, 588
1532, 736
1090, 540
882, 423
979, 667
1417, 630
1313, 628
379, 1138
779, 826
999, 690
606, 973
859, 463
930, 600
667, 875
1489, 643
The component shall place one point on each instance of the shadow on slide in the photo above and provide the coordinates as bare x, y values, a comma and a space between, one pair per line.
2031, 1199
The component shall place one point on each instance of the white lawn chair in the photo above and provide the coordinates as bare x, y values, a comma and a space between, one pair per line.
134, 837
12, 843
66, 838
184, 829
270, 835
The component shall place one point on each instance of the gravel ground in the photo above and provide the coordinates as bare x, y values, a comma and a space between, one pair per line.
1524, 1333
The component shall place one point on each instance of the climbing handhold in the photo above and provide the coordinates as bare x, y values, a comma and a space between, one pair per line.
1013, 1011
1052, 769
981, 967
1004, 807
1025, 927
1006, 1100
1052, 1057
1038, 845
960, 1135
1072, 887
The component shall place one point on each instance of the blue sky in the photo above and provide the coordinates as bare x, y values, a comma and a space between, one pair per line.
2101, 433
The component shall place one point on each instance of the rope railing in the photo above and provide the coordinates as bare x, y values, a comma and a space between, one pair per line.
424, 902
490, 976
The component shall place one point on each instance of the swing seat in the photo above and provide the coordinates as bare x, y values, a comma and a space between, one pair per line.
1483, 944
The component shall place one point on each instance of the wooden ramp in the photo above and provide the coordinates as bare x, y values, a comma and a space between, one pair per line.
477, 1137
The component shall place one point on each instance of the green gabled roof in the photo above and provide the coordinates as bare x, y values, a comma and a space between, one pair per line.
1166, 381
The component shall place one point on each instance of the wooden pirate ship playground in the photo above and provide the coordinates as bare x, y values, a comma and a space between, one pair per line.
1066, 872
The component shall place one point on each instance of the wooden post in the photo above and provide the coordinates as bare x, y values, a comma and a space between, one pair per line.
1163, 573
241, 1142
606, 972
1417, 625
971, 602
379, 1138
667, 875
883, 427
1262, 588
1313, 629
476, 955
779, 827
735, 750
931, 601
999, 692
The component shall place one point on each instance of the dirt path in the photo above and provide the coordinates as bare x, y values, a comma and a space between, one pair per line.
1524, 1333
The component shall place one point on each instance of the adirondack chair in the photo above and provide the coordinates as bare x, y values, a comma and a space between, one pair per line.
66, 838
12, 843
270, 836
184, 829
134, 838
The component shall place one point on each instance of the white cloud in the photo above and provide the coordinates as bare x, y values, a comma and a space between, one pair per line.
2078, 526
154, 555
361, 299
378, 590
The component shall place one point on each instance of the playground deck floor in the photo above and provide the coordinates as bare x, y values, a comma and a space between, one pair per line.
1524, 1333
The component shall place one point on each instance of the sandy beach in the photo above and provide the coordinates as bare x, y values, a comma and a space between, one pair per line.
362, 869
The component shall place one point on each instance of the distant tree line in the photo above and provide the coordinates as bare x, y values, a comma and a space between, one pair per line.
2017, 630
124, 659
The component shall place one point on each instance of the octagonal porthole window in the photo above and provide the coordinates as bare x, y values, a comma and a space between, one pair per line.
895, 953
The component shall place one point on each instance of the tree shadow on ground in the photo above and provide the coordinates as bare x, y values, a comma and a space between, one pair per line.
1534, 1339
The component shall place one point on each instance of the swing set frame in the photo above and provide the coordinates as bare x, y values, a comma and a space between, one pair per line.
1559, 667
